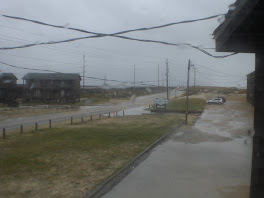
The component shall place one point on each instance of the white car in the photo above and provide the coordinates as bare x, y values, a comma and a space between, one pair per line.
215, 101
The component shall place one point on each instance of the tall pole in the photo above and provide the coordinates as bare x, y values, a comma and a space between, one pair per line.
187, 94
167, 76
158, 75
134, 77
104, 85
194, 83
83, 71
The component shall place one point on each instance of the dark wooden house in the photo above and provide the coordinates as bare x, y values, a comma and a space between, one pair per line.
8, 86
250, 87
243, 31
52, 87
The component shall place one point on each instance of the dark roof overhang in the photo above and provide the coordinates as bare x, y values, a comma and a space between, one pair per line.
243, 29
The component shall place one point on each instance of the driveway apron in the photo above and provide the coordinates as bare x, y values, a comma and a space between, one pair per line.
210, 159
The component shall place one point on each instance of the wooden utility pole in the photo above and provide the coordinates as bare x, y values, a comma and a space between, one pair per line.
134, 77
104, 85
167, 76
194, 83
158, 76
187, 94
83, 72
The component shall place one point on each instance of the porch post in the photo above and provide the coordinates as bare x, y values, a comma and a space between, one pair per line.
257, 171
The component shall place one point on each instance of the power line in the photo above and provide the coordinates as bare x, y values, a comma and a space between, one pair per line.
114, 34
117, 34
26, 68
219, 82
56, 48
219, 75
39, 59
88, 77
73, 51
214, 70
122, 37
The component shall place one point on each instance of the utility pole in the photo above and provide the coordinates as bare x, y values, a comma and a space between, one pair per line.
134, 77
104, 85
194, 83
167, 75
158, 75
162, 80
83, 71
187, 97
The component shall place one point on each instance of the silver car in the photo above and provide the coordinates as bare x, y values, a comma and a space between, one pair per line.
215, 101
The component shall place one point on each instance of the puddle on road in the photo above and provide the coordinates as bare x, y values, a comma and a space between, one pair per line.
137, 111
88, 107
132, 111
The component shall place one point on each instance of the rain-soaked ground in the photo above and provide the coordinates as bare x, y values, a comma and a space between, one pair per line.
210, 159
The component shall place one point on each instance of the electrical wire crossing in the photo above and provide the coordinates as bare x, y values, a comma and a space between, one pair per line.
117, 35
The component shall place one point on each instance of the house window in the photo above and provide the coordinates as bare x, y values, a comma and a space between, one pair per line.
56, 82
37, 93
62, 93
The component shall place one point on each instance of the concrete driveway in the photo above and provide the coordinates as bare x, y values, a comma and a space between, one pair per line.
210, 159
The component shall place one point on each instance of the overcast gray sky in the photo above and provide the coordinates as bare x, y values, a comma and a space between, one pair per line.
115, 57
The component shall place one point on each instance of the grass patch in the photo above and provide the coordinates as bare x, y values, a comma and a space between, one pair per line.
195, 105
73, 160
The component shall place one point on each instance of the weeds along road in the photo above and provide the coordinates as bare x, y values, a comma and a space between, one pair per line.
90, 110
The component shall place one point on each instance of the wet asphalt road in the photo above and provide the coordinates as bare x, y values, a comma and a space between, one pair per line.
92, 110
210, 159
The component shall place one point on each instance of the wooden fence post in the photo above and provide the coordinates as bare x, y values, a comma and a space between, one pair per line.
49, 123
36, 126
123, 113
116, 113
81, 119
4, 133
109, 115
91, 118
99, 116
21, 129
71, 119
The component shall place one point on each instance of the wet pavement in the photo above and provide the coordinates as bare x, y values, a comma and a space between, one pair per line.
84, 111
210, 159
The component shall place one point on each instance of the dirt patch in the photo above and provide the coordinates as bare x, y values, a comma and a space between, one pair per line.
241, 191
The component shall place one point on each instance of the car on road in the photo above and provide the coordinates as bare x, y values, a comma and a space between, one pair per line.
224, 100
215, 101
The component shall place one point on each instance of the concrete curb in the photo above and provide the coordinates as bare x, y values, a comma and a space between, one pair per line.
113, 180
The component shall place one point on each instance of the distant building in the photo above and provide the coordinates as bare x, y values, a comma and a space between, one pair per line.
250, 87
52, 87
8, 86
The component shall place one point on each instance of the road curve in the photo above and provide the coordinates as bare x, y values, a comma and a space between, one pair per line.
93, 110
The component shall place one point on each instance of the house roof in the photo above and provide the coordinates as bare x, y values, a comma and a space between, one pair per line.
251, 74
242, 29
8, 75
52, 76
